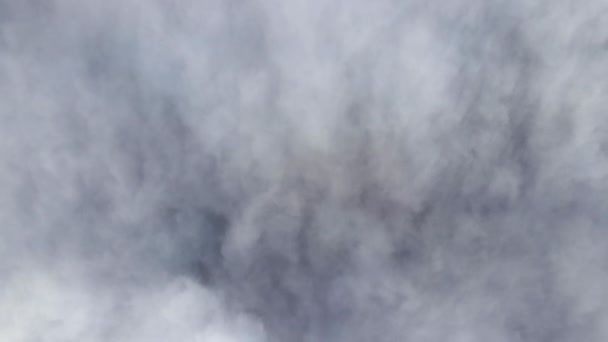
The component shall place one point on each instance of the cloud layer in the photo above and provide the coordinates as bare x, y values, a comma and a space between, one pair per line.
249, 170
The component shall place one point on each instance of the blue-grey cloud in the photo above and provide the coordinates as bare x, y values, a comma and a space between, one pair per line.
251, 170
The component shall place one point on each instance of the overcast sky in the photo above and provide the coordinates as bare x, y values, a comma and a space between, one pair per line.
303, 170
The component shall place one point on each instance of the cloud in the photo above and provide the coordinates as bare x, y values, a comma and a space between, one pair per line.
302, 171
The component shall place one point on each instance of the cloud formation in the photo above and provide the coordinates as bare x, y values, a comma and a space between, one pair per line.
257, 171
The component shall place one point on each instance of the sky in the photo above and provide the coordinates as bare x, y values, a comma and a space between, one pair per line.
303, 170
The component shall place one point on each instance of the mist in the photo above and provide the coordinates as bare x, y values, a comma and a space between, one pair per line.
303, 171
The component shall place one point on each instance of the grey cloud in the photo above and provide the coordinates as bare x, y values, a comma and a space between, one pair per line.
302, 171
